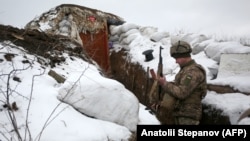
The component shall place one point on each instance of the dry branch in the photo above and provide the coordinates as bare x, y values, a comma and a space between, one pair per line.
56, 76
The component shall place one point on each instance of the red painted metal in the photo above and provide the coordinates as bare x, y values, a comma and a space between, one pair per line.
96, 45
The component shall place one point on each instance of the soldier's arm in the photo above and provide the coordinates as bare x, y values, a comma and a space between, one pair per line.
189, 81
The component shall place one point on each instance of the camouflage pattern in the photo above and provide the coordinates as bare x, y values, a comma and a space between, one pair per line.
188, 89
186, 121
180, 49
165, 111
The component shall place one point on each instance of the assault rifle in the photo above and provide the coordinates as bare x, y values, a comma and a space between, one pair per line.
153, 100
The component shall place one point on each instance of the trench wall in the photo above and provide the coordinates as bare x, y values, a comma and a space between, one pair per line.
136, 79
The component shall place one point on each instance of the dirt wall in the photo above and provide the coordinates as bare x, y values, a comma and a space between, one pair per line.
136, 79
133, 76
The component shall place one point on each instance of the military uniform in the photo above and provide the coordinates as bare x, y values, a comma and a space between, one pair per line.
188, 89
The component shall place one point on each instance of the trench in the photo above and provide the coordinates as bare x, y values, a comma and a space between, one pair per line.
136, 79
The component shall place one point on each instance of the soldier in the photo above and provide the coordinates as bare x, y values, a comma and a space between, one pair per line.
188, 89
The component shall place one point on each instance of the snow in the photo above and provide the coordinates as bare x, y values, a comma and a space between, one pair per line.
232, 104
225, 17
208, 56
117, 104
215, 49
38, 96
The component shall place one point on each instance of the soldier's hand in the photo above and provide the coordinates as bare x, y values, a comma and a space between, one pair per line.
162, 80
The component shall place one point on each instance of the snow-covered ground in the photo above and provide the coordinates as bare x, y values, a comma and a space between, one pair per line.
38, 96
206, 51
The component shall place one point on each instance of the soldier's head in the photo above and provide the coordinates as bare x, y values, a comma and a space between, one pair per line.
181, 51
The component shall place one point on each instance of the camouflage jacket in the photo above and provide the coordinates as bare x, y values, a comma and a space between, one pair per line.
189, 87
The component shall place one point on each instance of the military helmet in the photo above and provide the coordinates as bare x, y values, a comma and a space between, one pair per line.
180, 49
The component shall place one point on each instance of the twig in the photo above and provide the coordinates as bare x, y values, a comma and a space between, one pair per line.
27, 113
50, 119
